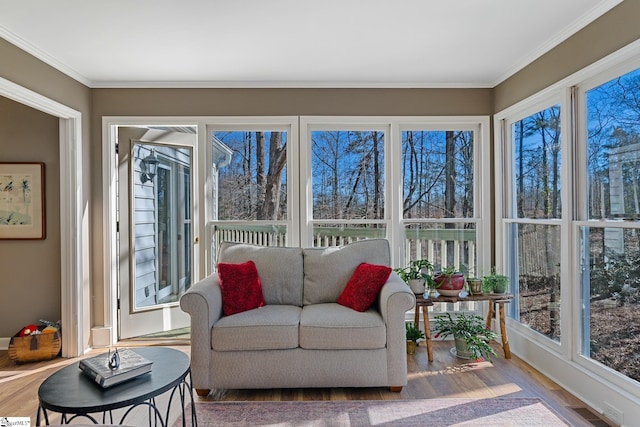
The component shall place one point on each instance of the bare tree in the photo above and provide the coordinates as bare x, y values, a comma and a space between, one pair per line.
269, 208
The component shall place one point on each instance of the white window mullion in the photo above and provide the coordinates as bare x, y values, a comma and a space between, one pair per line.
394, 189
305, 180
569, 259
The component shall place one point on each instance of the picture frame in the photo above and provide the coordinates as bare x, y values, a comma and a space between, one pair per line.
22, 201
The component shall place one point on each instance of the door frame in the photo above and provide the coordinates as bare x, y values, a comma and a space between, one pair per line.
134, 320
109, 201
74, 245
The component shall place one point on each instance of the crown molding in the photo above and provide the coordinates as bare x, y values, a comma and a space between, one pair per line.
287, 85
587, 18
40, 54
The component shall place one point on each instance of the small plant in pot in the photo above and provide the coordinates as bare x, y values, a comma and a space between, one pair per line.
472, 338
475, 285
417, 275
449, 282
495, 283
413, 335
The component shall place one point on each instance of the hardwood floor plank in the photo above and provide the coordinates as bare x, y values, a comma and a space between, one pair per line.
445, 377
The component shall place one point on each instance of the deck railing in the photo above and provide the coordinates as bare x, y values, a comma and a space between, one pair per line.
437, 245
442, 247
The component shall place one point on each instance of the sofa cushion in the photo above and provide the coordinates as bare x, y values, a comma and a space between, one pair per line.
280, 269
240, 286
332, 326
364, 286
267, 328
327, 270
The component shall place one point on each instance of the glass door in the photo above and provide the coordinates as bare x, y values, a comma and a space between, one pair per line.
156, 230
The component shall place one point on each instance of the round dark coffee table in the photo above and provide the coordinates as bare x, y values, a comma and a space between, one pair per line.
73, 394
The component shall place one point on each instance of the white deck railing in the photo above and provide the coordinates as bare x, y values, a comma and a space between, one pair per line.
436, 245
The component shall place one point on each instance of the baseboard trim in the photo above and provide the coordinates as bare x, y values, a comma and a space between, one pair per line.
4, 343
101, 336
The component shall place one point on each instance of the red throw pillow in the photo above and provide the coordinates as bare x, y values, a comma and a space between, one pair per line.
241, 287
364, 286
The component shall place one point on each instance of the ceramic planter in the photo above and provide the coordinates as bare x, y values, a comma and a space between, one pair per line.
462, 349
411, 347
496, 283
475, 285
417, 286
449, 285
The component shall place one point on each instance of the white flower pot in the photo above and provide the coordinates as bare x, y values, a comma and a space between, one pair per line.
417, 286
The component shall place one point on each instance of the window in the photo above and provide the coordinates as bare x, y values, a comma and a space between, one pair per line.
533, 229
343, 182
348, 185
568, 222
610, 249
385, 177
250, 184
438, 197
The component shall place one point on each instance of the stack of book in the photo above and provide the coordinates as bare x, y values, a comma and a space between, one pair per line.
132, 365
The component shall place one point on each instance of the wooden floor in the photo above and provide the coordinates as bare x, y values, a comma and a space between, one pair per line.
446, 377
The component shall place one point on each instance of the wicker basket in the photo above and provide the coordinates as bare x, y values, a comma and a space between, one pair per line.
34, 348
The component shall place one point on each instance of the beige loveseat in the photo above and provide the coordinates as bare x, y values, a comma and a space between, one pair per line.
301, 337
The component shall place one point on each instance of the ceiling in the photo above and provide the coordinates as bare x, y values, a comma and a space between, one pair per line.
293, 43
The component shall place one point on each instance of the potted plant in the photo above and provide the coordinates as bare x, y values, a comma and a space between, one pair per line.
472, 338
495, 283
413, 335
449, 282
416, 275
475, 285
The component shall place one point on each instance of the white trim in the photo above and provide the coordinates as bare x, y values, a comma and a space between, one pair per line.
288, 124
109, 191
591, 15
298, 146
393, 126
288, 85
35, 51
110, 256
587, 379
625, 58
4, 343
202, 229
74, 226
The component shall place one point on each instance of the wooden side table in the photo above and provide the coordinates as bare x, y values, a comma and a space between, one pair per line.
499, 299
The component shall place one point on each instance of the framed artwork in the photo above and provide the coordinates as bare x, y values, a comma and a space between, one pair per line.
22, 205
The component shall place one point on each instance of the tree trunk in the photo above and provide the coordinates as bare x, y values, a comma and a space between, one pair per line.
260, 176
521, 170
450, 187
277, 162
377, 179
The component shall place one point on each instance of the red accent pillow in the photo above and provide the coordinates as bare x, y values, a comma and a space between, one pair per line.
241, 287
364, 286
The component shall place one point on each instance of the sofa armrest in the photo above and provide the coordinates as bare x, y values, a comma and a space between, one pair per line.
395, 299
203, 302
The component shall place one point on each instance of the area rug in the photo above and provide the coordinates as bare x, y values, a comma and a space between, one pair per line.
361, 413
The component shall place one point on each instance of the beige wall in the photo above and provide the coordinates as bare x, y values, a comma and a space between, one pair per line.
275, 102
614, 30
30, 278
30, 270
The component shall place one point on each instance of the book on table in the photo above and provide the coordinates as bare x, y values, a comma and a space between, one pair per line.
132, 365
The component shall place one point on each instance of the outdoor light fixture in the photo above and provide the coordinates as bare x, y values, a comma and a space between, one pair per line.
149, 167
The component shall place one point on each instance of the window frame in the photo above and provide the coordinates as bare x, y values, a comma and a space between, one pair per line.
506, 206
564, 362
582, 213
287, 124
393, 185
